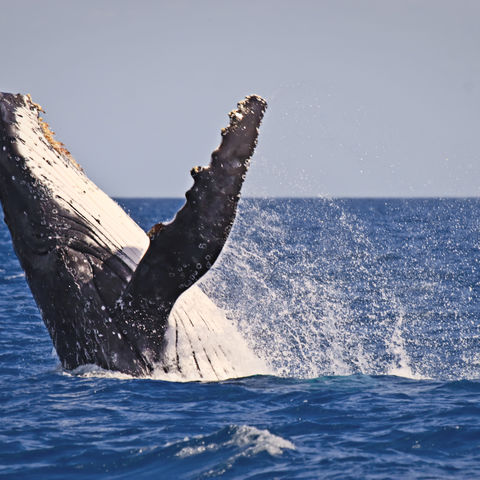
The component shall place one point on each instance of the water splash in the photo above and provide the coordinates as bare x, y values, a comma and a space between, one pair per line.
328, 287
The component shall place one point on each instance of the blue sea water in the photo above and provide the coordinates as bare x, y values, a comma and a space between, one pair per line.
368, 310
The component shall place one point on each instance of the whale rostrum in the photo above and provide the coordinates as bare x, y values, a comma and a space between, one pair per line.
104, 287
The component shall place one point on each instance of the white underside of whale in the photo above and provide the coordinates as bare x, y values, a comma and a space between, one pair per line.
206, 344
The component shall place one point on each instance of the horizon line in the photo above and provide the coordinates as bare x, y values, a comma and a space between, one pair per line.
319, 197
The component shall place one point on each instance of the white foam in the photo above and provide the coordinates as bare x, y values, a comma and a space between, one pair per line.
400, 366
250, 440
256, 441
94, 371
406, 372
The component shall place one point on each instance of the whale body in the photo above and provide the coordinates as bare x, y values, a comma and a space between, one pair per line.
107, 291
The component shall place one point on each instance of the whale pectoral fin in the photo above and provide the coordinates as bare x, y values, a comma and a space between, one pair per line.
182, 251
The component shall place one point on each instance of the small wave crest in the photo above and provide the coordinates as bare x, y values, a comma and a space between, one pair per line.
94, 371
249, 440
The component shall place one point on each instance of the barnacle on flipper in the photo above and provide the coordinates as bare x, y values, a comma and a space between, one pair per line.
34, 104
49, 134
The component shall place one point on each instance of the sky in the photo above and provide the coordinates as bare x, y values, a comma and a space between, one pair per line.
367, 98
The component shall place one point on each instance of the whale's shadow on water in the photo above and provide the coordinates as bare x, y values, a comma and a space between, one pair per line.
107, 290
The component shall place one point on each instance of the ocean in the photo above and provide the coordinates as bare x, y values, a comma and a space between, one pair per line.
366, 310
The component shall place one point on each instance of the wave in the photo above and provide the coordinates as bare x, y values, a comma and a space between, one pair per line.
247, 439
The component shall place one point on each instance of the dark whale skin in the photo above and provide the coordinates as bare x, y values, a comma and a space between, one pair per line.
101, 305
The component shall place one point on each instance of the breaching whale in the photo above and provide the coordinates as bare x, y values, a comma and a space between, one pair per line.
106, 290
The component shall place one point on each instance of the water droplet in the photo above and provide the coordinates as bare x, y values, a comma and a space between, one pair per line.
202, 246
13, 177
199, 266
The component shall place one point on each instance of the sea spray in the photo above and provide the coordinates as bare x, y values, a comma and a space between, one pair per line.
318, 291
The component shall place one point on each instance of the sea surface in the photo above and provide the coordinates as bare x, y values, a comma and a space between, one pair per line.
367, 310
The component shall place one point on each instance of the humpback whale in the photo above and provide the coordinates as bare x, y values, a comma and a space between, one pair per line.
107, 291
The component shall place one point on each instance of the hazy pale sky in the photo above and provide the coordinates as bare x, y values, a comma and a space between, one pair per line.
366, 97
